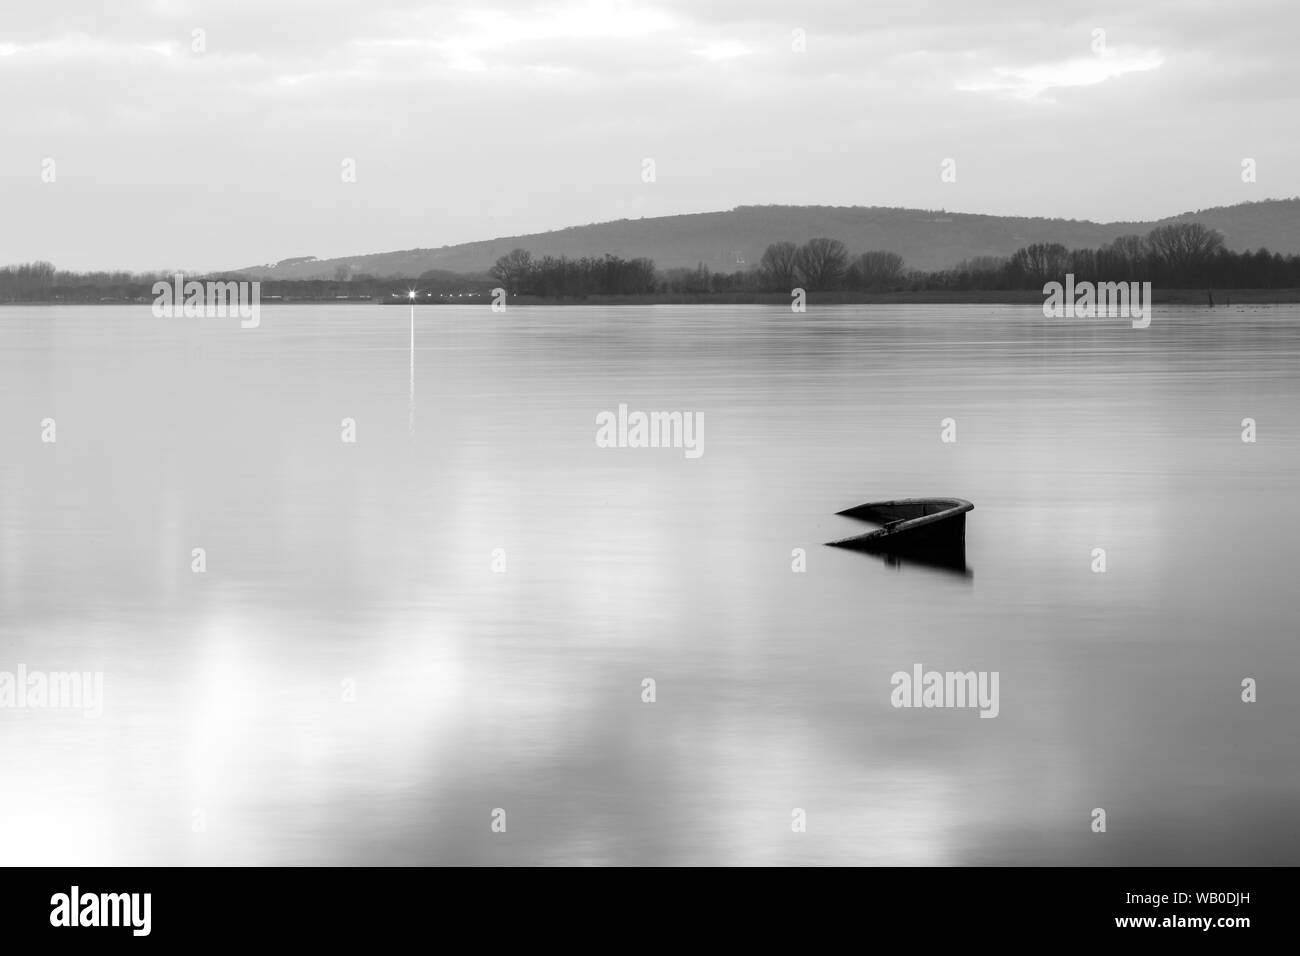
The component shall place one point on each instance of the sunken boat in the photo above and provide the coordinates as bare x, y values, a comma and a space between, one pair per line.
926, 528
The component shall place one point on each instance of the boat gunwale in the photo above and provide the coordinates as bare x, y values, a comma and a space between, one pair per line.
957, 506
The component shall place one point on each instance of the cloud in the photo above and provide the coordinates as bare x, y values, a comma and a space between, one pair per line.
1032, 81
476, 118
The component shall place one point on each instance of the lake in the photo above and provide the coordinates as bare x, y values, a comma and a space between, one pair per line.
394, 638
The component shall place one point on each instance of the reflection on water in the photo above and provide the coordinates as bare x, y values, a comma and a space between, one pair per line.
351, 680
952, 561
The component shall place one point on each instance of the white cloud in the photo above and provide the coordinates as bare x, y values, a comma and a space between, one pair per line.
1029, 82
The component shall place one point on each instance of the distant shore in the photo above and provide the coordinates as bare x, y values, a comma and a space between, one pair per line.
1222, 297
931, 297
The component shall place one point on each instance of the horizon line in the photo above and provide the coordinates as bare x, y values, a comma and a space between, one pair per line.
710, 212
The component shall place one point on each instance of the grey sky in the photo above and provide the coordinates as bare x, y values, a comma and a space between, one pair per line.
472, 120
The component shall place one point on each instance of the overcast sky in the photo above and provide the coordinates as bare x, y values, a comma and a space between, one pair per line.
473, 120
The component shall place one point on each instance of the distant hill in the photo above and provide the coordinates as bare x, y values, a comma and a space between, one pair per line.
727, 241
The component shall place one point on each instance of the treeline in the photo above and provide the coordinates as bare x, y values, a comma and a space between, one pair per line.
1173, 256
42, 282
520, 274
816, 265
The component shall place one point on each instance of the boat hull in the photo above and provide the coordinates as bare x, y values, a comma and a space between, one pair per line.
925, 527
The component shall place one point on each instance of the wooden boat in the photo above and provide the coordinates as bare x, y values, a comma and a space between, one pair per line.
926, 527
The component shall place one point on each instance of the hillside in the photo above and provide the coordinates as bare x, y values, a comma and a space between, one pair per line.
726, 241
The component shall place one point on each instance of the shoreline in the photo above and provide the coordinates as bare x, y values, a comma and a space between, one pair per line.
1005, 297
1222, 298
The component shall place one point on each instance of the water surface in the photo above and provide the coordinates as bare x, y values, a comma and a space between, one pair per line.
366, 570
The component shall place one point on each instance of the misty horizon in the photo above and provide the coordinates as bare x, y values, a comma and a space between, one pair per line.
301, 256
707, 212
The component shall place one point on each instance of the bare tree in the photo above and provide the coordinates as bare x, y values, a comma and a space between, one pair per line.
1128, 247
1123, 260
512, 270
779, 266
821, 263
875, 270
1183, 248
1041, 262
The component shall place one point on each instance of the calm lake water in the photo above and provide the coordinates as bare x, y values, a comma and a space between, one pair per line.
365, 570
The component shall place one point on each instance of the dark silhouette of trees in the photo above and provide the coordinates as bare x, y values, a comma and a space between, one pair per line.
1039, 262
1124, 260
29, 282
779, 266
875, 270
1181, 250
591, 275
512, 270
821, 263
1175, 255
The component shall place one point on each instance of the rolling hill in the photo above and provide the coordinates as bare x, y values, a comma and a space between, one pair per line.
727, 241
